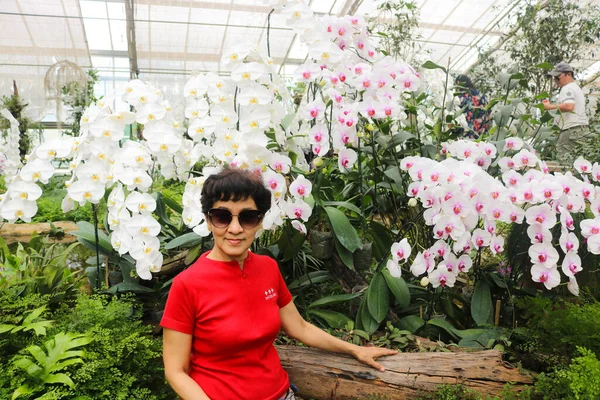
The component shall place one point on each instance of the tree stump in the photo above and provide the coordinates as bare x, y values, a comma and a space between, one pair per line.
323, 375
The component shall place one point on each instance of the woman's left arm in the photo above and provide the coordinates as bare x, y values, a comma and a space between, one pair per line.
296, 327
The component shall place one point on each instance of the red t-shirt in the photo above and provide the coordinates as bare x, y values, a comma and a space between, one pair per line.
233, 316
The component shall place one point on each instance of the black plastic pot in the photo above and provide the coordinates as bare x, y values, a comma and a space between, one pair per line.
322, 244
363, 256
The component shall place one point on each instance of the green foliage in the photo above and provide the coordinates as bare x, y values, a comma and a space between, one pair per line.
16, 106
580, 381
50, 209
398, 36
451, 392
556, 329
461, 392
124, 360
32, 322
44, 368
78, 99
544, 32
37, 267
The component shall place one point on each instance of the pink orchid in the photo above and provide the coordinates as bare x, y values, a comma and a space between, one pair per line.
307, 72
450, 262
590, 227
582, 165
497, 244
441, 277
463, 244
314, 110
321, 149
506, 163
516, 215
568, 242
280, 163
596, 172
407, 162
299, 226
480, 238
464, 263
448, 226
550, 277
440, 249
542, 215
346, 159
513, 143
457, 204
419, 265
489, 225
409, 82
547, 190
393, 268
297, 209
524, 159
301, 187
566, 220
571, 265
595, 206
275, 182
512, 178
587, 191
593, 244
401, 250
573, 286
318, 134
543, 253
538, 234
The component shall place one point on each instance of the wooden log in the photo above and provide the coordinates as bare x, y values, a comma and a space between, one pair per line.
322, 375
12, 233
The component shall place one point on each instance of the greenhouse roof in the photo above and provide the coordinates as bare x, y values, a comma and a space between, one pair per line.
168, 40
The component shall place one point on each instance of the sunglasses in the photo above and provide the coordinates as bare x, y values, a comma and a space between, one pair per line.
221, 218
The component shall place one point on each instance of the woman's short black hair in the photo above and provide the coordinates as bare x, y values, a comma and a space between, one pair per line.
464, 81
235, 184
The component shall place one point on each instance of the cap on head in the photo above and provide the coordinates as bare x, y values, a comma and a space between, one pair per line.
560, 68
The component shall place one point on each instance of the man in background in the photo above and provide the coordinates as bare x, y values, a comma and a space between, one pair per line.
571, 118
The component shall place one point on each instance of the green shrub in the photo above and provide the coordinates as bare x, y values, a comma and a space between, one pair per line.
451, 392
555, 329
580, 381
461, 392
124, 360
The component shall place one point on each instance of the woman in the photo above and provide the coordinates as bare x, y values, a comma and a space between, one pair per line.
224, 312
473, 104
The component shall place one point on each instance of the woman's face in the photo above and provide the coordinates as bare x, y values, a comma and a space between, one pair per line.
233, 241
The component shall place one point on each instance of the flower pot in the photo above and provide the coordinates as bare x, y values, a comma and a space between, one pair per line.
115, 277
362, 256
322, 244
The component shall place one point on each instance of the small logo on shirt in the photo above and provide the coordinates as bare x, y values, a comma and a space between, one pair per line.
270, 293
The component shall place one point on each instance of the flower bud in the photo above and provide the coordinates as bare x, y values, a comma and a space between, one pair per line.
412, 202
370, 127
318, 162
424, 281
322, 82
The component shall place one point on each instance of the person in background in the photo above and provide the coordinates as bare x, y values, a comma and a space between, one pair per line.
224, 312
473, 104
571, 118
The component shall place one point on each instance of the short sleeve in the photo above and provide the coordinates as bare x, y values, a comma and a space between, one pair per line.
566, 95
284, 296
180, 310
